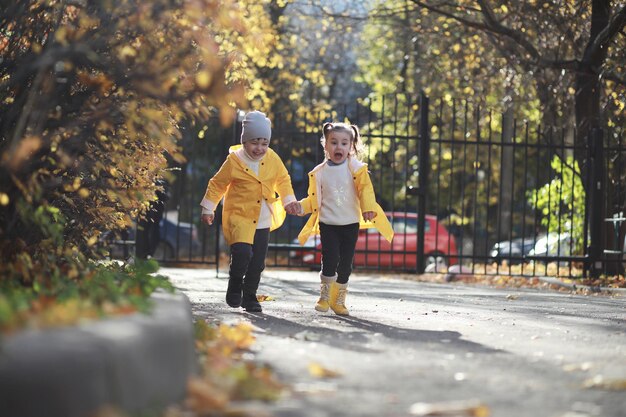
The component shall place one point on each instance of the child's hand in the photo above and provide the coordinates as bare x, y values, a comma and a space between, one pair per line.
369, 215
293, 208
208, 218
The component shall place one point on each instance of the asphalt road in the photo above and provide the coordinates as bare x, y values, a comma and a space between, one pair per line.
412, 348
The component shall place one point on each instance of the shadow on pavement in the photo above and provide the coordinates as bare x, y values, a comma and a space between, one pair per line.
363, 333
448, 340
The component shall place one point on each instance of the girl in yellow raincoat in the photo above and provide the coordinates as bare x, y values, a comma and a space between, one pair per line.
248, 181
341, 201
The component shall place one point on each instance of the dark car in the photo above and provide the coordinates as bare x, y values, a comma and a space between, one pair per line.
512, 251
178, 240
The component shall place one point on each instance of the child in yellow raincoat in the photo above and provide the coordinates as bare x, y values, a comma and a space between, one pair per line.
341, 201
248, 181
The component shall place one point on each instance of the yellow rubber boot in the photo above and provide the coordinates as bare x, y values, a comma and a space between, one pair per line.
322, 304
337, 298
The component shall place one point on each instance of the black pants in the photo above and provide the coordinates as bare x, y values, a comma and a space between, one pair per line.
338, 243
248, 261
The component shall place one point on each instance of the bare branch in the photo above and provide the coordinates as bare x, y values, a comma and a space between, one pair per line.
615, 26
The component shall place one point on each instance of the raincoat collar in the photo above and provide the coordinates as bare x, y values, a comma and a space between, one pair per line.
353, 163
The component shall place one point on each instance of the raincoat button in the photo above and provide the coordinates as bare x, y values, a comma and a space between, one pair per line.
258, 201
253, 221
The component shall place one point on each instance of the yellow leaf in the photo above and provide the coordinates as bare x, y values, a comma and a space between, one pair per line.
127, 51
61, 35
202, 396
607, 384
470, 408
318, 371
203, 79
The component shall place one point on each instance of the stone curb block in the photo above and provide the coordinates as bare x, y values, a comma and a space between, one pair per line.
138, 363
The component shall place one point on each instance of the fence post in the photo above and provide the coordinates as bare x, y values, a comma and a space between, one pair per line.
596, 198
424, 171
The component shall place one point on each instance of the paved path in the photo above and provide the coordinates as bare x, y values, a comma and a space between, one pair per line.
408, 346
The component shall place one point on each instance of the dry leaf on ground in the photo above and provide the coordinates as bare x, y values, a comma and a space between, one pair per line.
471, 408
318, 371
599, 382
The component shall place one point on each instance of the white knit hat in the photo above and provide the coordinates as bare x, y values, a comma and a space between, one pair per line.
255, 125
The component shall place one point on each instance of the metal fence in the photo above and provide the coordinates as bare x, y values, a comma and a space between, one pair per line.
462, 185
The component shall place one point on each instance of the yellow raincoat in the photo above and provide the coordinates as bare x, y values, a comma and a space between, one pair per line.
367, 201
243, 192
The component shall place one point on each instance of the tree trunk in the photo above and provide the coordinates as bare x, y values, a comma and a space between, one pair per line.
588, 123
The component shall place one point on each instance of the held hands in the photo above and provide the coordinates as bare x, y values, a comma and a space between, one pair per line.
294, 208
208, 218
369, 215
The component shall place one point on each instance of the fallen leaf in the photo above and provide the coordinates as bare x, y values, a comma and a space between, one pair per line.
471, 408
608, 384
202, 396
512, 297
585, 366
318, 371
260, 298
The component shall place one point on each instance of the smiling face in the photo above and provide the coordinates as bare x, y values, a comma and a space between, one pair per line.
256, 148
338, 145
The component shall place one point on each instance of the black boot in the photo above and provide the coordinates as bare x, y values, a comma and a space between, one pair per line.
250, 303
233, 293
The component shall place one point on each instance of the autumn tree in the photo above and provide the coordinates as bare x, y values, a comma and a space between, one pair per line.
558, 64
92, 94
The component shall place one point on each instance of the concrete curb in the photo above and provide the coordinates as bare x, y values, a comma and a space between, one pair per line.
137, 363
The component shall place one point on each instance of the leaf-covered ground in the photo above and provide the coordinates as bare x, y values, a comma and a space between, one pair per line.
549, 281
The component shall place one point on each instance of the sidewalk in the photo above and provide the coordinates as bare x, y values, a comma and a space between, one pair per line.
138, 363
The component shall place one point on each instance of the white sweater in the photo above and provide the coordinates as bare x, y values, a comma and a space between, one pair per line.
339, 202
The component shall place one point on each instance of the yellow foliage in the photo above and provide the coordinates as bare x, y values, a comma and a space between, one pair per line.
226, 375
318, 371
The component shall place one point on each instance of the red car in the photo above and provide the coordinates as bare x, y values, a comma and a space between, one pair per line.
373, 250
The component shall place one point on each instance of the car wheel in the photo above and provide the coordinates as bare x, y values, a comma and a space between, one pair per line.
436, 262
164, 251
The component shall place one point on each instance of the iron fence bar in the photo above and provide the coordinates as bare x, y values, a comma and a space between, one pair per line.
463, 180
488, 170
452, 153
476, 164
571, 214
526, 146
380, 175
439, 167
597, 201
424, 167
406, 170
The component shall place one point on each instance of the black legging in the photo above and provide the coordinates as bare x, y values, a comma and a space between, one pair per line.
338, 243
248, 261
